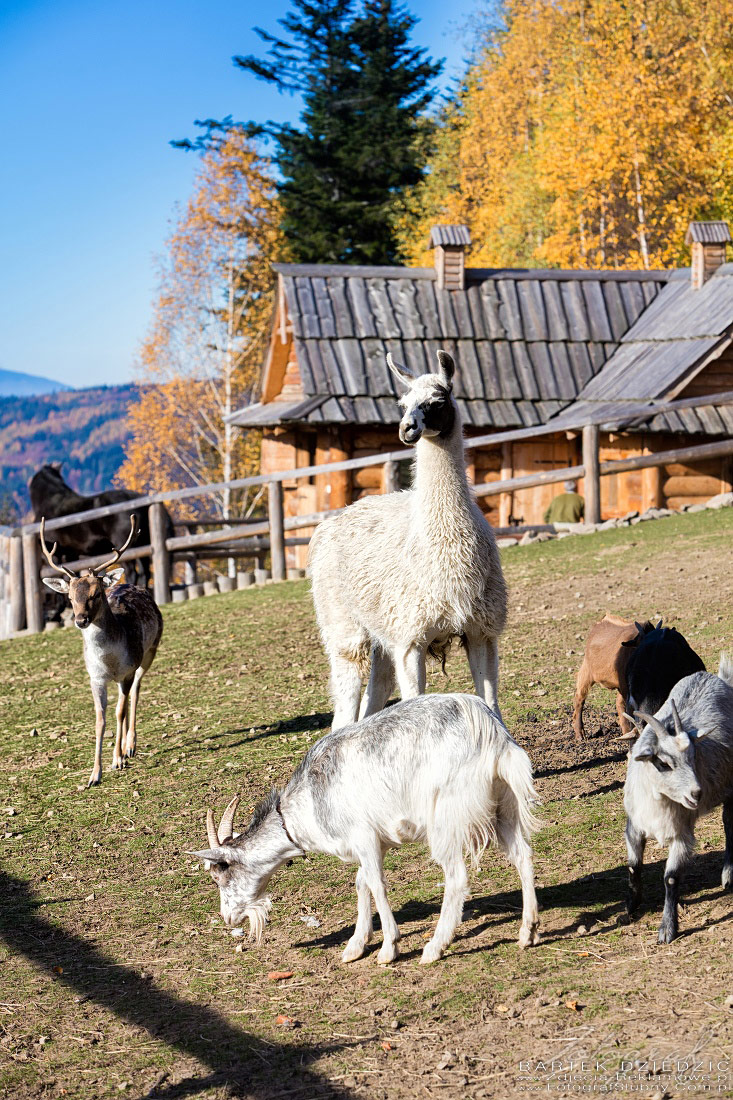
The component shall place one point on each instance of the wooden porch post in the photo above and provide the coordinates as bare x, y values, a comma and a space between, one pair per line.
591, 462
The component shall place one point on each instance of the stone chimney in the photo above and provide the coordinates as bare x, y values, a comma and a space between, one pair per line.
450, 243
708, 240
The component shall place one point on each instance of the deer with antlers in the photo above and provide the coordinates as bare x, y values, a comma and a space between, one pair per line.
121, 634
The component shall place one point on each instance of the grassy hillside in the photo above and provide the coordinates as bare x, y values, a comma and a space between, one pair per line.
117, 977
84, 429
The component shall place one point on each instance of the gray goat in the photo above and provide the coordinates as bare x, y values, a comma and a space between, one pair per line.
437, 768
680, 769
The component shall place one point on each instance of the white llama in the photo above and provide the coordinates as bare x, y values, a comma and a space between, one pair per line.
395, 576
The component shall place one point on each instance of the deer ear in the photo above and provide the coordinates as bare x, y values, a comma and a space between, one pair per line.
57, 584
115, 576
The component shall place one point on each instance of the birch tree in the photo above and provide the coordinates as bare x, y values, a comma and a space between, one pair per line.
200, 360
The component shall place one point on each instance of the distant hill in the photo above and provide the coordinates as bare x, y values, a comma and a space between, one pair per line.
15, 384
83, 429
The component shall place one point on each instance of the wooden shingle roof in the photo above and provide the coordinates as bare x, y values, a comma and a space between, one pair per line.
526, 342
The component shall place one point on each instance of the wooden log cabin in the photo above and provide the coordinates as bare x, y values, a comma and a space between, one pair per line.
532, 348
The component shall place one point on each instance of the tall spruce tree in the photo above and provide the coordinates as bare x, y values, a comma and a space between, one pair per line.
361, 141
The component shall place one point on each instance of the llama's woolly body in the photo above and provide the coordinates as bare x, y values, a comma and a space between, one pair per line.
410, 569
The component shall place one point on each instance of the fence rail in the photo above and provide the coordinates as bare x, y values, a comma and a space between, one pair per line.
20, 561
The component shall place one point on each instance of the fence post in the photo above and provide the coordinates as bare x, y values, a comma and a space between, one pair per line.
591, 463
276, 519
161, 557
32, 578
390, 477
16, 595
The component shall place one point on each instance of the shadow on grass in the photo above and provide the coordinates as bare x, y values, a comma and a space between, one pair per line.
237, 1061
595, 899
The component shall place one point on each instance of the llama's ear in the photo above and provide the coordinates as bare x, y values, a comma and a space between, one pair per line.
400, 372
447, 369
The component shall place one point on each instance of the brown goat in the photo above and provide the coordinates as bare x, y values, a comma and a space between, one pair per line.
608, 648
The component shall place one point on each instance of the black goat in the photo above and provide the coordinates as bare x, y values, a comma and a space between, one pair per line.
660, 659
52, 497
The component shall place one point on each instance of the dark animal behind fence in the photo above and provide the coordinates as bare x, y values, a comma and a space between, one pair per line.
53, 498
659, 660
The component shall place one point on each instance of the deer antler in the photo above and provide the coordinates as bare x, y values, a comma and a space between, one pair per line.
48, 554
118, 553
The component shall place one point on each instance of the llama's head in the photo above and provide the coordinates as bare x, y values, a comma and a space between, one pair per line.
428, 405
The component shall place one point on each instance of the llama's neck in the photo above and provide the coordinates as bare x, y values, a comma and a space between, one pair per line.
440, 483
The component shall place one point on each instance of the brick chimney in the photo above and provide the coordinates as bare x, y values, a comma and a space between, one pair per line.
708, 240
450, 243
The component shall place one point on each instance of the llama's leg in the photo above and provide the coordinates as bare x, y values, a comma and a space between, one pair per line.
410, 669
455, 893
635, 844
122, 700
371, 866
130, 743
583, 685
381, 682
99, 694
345, 691
514, 843
679, 851
364, 928
483, 660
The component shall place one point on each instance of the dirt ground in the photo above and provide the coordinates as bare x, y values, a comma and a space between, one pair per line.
117, 976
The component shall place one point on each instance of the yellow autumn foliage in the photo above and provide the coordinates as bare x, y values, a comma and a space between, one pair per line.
587, 133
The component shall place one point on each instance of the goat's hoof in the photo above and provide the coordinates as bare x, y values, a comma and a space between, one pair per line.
430, 953
94, 781
352, 952
387, 954
726, 880
667, 933
529, 937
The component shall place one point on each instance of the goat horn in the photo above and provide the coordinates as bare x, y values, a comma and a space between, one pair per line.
227, 820
211, 830
678, 727
650, 720
48, 554
118, 553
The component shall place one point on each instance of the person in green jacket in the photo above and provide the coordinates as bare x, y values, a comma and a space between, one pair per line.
569, 507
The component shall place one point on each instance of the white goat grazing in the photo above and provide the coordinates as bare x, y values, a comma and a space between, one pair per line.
395, 576
441, 769
680, 769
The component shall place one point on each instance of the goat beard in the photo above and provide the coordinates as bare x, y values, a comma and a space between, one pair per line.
257, 914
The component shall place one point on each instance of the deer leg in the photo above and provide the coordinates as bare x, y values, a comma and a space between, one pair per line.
123, 697
99, 694
129, 746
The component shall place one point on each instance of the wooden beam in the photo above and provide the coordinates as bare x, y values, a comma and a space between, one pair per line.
16, 610
161, 560
277, 529
32, 575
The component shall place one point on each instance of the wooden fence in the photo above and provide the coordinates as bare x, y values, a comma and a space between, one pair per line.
21, 568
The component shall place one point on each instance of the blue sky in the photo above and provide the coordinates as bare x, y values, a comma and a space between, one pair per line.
92, 92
